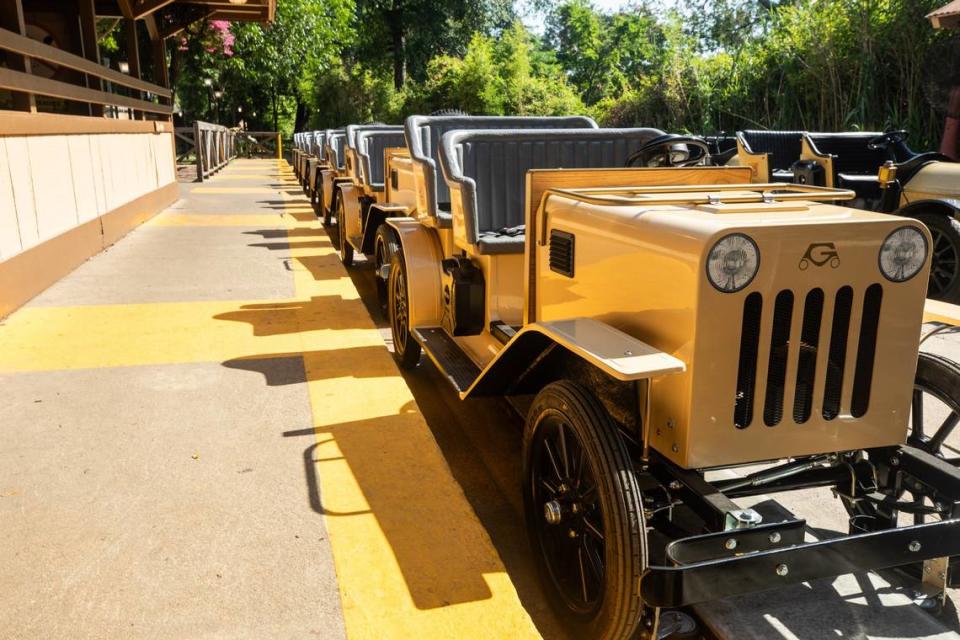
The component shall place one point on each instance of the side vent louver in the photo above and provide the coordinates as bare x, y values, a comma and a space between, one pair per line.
561, 252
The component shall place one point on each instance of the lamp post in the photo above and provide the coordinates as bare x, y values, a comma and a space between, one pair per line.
208, 83
218, 94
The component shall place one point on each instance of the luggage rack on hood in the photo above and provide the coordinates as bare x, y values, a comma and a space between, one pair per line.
698, 194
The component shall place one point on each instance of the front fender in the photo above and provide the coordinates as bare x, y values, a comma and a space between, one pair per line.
350, 196
422, 256
610, 350
935, 181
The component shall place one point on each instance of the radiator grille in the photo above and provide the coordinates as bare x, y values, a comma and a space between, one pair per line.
817, 330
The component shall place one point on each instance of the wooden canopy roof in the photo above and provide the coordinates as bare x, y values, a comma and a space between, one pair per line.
171, 16
946, 17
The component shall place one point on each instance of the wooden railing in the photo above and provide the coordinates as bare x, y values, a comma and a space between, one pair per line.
215, 147
23, 82
261, 144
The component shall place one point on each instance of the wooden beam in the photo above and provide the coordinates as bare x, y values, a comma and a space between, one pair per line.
126, 8
34, 49
19, 81
177, 26
11, 18
91, 49
145, 8
150, 22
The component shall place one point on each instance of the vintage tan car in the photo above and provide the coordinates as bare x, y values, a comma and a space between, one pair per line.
329, 174
364, 164
884, 173
656, 325
413, 186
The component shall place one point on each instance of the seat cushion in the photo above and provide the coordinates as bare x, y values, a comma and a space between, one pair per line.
492, 243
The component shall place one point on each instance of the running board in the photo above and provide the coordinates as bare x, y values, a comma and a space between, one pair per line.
448, 356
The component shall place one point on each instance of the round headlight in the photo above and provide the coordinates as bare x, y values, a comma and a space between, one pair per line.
733, 262
903, 253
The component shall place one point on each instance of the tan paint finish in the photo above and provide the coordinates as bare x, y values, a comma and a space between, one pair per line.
541, 180
759, 163
422, 255
808, 152
641, 269
935, 181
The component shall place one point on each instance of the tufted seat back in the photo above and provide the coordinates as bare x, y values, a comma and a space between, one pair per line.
336, 139
491, 168
423, 135
852, 153
371, 144
784, 147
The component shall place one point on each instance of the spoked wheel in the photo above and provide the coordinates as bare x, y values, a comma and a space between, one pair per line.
406, 350
583, 510
346, 250
945, 262
934, 415
384, 247
935, 410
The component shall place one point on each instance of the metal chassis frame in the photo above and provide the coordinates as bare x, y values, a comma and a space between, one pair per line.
725, 563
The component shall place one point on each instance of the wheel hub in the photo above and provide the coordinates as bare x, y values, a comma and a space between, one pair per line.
553, 512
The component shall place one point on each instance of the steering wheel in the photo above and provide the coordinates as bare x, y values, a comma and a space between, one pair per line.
884, 140
670, 150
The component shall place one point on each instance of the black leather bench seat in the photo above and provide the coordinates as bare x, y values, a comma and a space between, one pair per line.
784, 147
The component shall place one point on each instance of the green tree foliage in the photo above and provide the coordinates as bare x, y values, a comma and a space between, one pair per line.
269, 69
704, 66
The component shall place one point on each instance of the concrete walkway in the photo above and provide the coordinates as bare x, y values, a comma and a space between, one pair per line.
202, 435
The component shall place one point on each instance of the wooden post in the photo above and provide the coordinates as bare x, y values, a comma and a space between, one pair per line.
133, 55
279, 147
11, 18
91, 50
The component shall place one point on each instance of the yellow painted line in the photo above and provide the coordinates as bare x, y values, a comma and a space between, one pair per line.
95, 336
215, 220
226, 190
255, 176
412, 559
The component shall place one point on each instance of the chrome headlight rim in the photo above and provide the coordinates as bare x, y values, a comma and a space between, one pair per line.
926, 253
756, 270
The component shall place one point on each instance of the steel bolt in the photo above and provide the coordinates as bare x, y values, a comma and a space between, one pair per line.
775, 537
894, 461
782, 570
669, 423
675, 485
914, 546
730, 544
571, 533
628, 352
675, 448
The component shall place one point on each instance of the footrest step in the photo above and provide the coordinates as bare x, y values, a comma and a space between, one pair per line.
449, 358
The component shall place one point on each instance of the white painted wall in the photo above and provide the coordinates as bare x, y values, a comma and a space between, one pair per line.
53, 183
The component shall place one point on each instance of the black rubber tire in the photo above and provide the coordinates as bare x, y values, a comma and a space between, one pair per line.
345, 249
406, 349
385, 245
624, 528
945, 267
